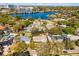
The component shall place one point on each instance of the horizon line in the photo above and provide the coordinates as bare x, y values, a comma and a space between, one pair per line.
42, 4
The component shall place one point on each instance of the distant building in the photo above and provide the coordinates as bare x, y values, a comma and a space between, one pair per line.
24, 9
3, 6
12, 6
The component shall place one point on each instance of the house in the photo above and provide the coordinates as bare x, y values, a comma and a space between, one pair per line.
58, 38
58, 19
64, 26
36, 24
73, 52
6, 43
25, 39
7, 40
6, 49
73, 37
5, 11
2, 27
32, 52
7, 30
1, 31
40, 38
50, 24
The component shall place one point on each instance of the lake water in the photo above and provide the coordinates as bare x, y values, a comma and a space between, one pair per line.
42, 15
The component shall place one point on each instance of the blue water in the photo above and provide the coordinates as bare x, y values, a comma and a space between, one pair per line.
42, 15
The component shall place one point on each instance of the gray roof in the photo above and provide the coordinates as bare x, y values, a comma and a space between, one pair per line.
24, 38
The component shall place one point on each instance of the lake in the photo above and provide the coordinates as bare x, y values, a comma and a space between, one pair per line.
36, 15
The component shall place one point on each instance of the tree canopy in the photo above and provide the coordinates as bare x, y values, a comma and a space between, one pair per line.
69, 30
55, 31
18, 49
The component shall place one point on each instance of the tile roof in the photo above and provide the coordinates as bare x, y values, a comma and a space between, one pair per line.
1, 27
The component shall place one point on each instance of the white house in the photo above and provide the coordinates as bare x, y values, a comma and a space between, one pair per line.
73, 37
40, 38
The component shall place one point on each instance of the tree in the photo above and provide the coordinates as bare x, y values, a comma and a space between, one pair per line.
35, 31
30, 18
18, 49
76, 23
42, 49
57, 48
25, 23
52, 16
16, 27
44, 23
55, 31
11, 22
69, 30
68, 44
77, 42
1, 49
17, 18
63, 22
4, 20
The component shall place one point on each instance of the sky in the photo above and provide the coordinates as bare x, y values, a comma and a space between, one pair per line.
43, 4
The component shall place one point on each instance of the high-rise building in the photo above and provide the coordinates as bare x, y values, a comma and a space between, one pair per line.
3, 6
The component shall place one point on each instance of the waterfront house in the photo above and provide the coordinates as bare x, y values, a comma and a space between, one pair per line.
23, 9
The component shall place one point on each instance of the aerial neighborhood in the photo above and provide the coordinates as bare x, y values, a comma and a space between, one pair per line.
39, 30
